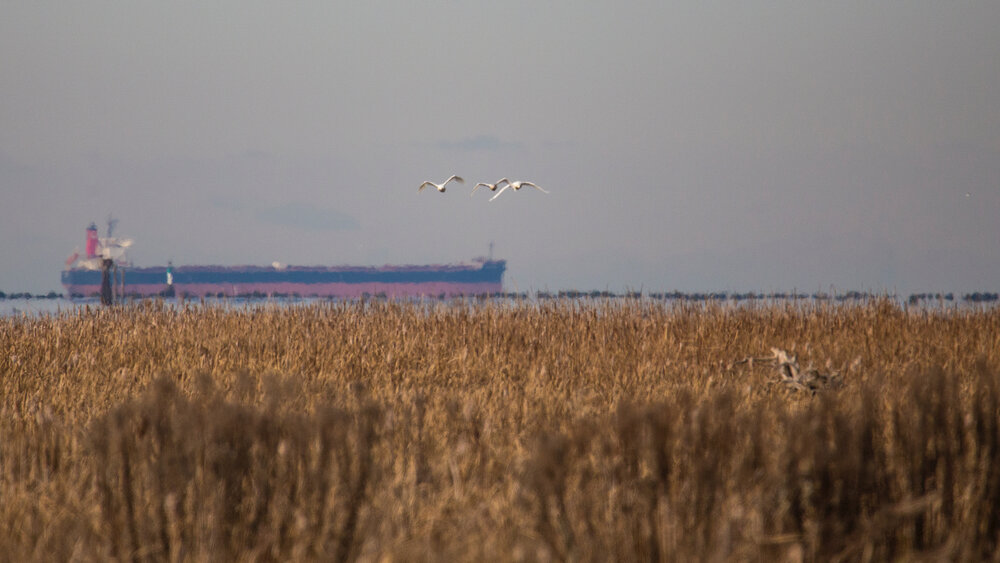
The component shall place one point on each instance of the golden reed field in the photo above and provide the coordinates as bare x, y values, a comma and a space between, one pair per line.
554, 430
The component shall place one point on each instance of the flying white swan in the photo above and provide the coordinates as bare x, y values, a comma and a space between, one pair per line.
492, 187
440, 187
516, 186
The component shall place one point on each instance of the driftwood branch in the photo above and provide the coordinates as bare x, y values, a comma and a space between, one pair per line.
793, 376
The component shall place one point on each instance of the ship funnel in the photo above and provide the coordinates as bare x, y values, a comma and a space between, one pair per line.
92, 241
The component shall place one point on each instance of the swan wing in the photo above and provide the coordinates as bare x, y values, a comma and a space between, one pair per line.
496, 195
534, 186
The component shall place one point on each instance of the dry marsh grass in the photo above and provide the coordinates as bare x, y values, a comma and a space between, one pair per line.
560, 430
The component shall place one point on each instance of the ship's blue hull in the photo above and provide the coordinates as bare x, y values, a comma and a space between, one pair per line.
348, 282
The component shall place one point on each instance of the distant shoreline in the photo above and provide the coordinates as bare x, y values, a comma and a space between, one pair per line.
974, 297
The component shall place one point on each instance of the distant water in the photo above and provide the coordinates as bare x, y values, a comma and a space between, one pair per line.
42, 306
35, 307
38, 306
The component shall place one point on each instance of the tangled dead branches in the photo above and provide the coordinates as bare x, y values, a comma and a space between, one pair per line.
793, 376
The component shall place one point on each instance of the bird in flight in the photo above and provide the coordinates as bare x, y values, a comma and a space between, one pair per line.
440, 187
516, 186
492, 187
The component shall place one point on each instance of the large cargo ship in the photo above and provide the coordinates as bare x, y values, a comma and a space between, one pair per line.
105, 259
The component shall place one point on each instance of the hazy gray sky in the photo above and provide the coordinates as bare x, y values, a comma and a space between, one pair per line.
687, 145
